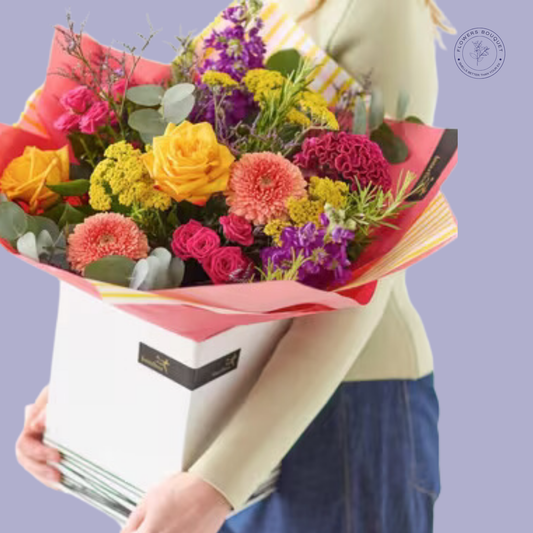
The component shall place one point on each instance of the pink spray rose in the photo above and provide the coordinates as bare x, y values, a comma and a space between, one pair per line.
227, 264
181, 238
203, 243
237, 229
78, 100
67, 122
95, 117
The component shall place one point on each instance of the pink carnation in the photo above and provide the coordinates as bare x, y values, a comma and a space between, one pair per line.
181, 238
103, 235
78, 100
228, 264
203, 243
95, 117
260, 185
237, 229
67, 122
347, 157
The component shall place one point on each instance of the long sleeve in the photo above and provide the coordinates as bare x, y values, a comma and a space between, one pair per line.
396, 38
306, 368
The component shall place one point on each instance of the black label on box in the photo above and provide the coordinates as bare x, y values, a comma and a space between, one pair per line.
190, 378
439, 161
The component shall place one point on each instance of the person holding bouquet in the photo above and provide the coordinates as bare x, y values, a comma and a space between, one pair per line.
347, 402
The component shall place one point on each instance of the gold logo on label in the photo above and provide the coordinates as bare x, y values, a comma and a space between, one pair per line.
161, 364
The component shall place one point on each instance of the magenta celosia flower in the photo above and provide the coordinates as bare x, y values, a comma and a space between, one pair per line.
98, 115
347, 157
78, 100
260, 185
103, 235
67, 122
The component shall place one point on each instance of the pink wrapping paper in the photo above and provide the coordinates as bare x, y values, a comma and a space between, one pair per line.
201, 312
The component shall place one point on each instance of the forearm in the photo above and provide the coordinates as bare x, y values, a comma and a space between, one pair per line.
307, 367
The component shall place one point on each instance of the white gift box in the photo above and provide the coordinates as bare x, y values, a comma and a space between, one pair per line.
131, 403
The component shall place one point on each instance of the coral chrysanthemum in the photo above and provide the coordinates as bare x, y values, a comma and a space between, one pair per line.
103, 235
261, 184
346, 157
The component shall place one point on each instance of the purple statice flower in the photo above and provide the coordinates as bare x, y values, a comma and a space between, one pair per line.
326, 254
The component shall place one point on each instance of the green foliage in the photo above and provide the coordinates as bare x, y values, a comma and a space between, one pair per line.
37, 225
414, 120
377, 109
286, 274
71, 188
146, 95
393, 147
114, 269
13, 221
147, 121
176, 105
402, 105
157, 272
285, 61
360, 121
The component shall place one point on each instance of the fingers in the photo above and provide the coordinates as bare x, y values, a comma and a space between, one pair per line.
29, 445
39, 422
42, 399
46, 474
135, 520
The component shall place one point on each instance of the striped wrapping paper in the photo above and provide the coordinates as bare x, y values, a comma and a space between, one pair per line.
435, 228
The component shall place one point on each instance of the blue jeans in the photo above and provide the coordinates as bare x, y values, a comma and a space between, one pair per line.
367, 464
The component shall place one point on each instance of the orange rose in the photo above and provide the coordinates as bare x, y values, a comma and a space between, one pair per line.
27, 176
188, 162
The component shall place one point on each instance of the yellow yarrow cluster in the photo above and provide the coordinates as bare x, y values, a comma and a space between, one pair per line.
327, 191
261, 82
214, 78
304, 210
300, 119
301, 211
317, 106
123, 175
275, 228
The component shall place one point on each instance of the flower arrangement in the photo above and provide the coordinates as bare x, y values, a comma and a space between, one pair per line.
231, 169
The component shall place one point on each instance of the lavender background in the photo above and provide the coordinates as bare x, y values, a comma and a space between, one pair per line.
472, 295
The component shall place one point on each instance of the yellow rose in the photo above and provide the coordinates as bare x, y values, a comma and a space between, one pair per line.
27, 176
188, 162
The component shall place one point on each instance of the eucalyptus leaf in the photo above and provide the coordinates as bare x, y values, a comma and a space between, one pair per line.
59, 260
71, 188
177, 112
402, 105
27, 246
377, 109
360, 119
139, 274
13, 221
177, 272
115, 269
392, 146
147, 138
45, 224
45, 243
284, 61
146, 95
178, 93
414, 120
147, 121
3, 198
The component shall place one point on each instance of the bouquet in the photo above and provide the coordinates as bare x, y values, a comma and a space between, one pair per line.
250, 181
